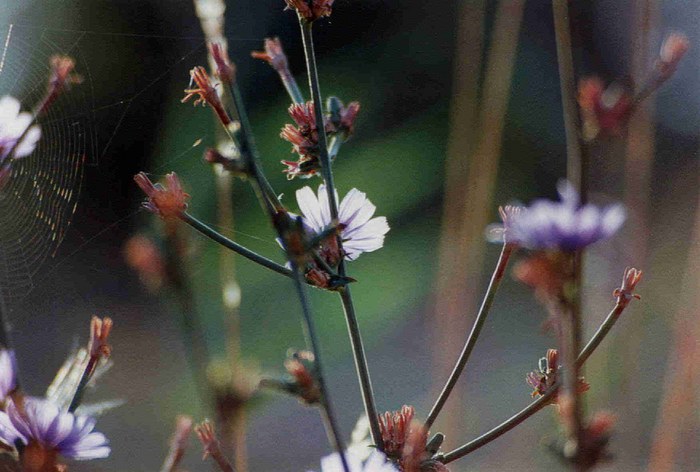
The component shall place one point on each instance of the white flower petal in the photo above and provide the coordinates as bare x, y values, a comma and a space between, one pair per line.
310, 208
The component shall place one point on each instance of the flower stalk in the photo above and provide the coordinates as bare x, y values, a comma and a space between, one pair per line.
624, 295
345, 294
486, 304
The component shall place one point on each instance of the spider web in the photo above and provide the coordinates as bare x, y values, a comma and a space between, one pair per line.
38, 202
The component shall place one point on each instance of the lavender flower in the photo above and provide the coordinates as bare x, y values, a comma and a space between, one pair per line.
375, 463
358, 230
42, 423
13, 124
8, 367
566, 225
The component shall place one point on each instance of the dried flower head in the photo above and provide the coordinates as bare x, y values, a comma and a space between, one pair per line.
630, 279
603, 110
543, 379
46, 432
224, 69
206, 93
672, 51
99, 333
565, 225
8, 369
17, 136
273, 55
376, 462
62, 78
311, 10
395, 427
501, 232
168, 201
304, 140
207, 436
300, 366
142, 255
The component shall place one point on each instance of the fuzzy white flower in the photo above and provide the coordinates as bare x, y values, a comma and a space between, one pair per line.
376, 462
13, 123
358, 230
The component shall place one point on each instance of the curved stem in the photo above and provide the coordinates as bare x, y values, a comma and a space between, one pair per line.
486, 304
235, 247
541, 402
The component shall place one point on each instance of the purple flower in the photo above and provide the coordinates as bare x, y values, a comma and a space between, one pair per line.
44, 424
13, 124
358, 230
375, 463
566, 225
8, 368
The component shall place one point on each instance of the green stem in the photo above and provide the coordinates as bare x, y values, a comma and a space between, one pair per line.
541, 402
291, 85
329, 420
486, 304
235, 247
361, 366
345, 295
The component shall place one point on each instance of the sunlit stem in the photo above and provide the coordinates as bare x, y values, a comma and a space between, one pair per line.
486, 304
346, 297
234, 246
330, 422
541, 402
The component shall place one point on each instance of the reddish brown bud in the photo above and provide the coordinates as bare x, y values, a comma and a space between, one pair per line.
273, 55
166, 201
630, 279
224, 69
311, 10
672, 51
603, 110
206, 93
300, 365
99, 333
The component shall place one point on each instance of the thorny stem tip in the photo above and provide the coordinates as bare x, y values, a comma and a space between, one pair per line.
486, 304
624, 296
345, 294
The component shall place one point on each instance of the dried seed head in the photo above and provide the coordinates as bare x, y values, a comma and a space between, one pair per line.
395, 427
99, 333
273, 55
301, 367
311, 10
630, 279
168, 201
206, 93
207, 436
543, 379
224, 69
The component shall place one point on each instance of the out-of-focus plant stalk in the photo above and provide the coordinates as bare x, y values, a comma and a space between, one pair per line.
470, 183
486, 304
345, 295
211, 16
576, 173
544, 400
681, 380
639, 160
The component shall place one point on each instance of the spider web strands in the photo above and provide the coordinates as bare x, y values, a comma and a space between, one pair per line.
39, 200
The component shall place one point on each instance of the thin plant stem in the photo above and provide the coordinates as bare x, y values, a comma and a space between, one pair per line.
330, 422
576, 171
361, 366
486, 304
541, 402
345, 294
234, 246
290, 84
250, 149
82, 384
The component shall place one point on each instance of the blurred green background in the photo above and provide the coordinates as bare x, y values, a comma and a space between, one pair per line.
397, 59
